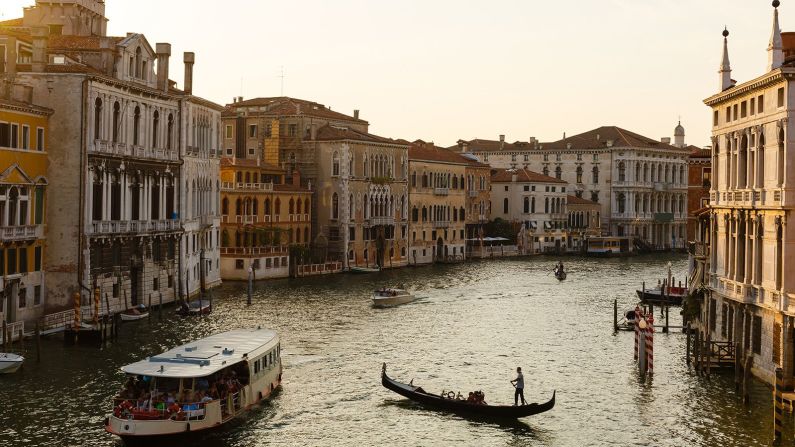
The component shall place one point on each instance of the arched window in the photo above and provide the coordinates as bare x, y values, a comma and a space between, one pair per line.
170, 131
595, 172
681, 175
760, 178
267, 207
461, 214
546, 171
780, 176
155, 126
546, 205
526, 205
335, 164
136, 125
298, 205
255, 206
248, 177
238, 207
533, 205
622, 203
225, 206
291, 206
97, 119
455, 182
645, 172
335, 206
622, 172
224, 238
277, 207
138, 62
306, 235
579, 174
558, 172
116, 118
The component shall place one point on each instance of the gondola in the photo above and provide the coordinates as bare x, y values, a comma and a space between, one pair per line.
421, 396
560, 274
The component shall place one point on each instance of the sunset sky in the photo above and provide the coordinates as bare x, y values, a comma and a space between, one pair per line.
444, 70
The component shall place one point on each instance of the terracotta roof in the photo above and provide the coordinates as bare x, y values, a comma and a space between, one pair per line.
337, 133
81, 42
420, 150
599, 137
522, 176
10, 103
284, 105
698, 152
291, 187
61, 68
493, 145
12, 22
700, 211
574, 200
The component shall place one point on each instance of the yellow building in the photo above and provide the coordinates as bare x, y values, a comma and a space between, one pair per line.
261, 217
23, 184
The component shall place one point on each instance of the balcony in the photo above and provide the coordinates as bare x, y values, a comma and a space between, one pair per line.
254, 251
382, 220
441, 191
298, 217
124, 150
248, 220
108, 227
660, 186
207, 220
473, 193
240, 186
441, 224
21, 233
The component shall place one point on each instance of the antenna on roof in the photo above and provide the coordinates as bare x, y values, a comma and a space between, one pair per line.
281, 75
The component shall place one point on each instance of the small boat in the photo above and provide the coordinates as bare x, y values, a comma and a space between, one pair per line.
364, 269
451, 403
669, 295
199, 307
560, 274
391, 297
629, 321
10, 363
196, 387
138, 312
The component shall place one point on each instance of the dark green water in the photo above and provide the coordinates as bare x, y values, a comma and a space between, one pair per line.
475, 323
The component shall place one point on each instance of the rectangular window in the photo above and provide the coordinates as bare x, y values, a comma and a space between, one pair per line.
743, 109
155, 283
252, 131
292, 130
760, 103
728, 114
116, 289
5, 135
37, 295
2, 262
14, 136
23, 298
239, 264
37, 259
753, 106
256, 264
352, 233
527, 187
228, 131
734, 112
715, 118
756, 341
23, 260
25, 137
506, 188
780, 98
39, 139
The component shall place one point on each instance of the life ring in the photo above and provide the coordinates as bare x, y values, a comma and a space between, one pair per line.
451, 394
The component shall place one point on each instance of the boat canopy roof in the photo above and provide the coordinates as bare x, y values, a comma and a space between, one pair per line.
206, 356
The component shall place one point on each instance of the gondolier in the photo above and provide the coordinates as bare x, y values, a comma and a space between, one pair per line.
518, 383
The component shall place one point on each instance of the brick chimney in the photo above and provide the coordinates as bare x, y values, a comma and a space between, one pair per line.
163, 53
189, 58
39, 34
356, 114
502, 141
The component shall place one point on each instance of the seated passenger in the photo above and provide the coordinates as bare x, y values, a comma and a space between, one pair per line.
471, 398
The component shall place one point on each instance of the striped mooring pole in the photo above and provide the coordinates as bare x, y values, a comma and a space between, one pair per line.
778, 407
76, 298
650, 344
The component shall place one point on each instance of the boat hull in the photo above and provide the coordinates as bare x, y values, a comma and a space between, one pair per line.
363, 270
654, 296
461, 406
560, 276
392, 300
133, 317
10, 363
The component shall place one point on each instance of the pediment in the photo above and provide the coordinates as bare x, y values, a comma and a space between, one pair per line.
134, 40
16, 176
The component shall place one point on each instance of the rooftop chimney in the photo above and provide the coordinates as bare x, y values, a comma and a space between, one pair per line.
502, 141
163, 53
189, 58
356, 114
39, 59
665, 140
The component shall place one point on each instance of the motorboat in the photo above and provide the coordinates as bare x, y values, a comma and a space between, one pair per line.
10, 363
391, 296
198, 307
454, 403
138, 312
364, 269
195, 387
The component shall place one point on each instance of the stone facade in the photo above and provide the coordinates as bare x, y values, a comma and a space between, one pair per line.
699, 182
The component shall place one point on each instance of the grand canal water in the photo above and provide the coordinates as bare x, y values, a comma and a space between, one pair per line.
474, 324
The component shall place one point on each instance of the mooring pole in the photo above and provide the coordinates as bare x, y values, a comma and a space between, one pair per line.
665, 328
250, 284
5, 342
615, 315
160, 306
38, 342
150, 306
778, 407
687, 348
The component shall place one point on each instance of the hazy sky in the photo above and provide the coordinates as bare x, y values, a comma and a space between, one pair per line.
443, 70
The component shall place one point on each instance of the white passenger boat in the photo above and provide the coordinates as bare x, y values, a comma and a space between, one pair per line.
10, 363
197, 386
136, 313
391, 297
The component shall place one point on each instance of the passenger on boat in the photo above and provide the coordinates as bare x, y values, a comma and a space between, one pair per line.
205, 398
471, 398
174, 411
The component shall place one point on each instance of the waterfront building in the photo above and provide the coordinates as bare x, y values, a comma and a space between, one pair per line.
750, 236
583, 217
478, 197
437, 204
126, 146
24, 190
261, 217
536, 204
699, 182
640, 182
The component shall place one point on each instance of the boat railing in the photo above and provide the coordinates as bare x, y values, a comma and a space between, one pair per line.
129, 409
233, 404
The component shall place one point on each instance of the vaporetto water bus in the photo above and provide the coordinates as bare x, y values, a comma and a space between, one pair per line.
197, 386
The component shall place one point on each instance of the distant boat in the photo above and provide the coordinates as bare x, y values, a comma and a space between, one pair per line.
452, 403
629, 321
560, 274
364, 269
10, 363
671, 295
391, 297
199, 307
136, 313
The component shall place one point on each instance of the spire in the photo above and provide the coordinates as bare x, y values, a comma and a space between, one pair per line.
725, 68
775, 53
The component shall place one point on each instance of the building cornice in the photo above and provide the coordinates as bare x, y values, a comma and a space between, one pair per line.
765, 80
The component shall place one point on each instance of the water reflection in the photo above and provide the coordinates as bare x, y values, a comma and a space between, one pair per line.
475, 323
